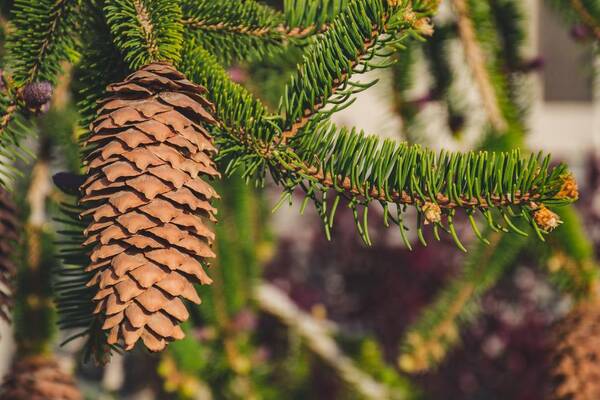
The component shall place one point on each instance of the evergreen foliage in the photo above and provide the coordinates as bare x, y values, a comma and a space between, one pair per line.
238, 31
146, 30
299, 148
42, 37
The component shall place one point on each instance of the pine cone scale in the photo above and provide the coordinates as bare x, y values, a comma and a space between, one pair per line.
149, 205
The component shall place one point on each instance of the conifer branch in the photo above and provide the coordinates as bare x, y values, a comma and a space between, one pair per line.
363, 31
224, 28
365, 169
235, 30
146, 30
14, 127
41, 39
312, 16
101, 62
477, 62
7, 116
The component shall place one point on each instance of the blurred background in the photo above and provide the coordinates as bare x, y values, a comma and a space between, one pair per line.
293, 315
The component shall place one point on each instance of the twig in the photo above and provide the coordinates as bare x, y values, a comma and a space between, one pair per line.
405, 198
259, 31
60, 10
477, 63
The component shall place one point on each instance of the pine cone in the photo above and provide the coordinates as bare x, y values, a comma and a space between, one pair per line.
37, 96
149, 204
576, 358
38, 378
8, 236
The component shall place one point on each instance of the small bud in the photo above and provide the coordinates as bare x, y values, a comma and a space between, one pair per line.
546, 219
37, 95
432, 212
424, 26
569, 189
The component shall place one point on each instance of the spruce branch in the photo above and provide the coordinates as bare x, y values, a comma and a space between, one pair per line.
101, 62
42, 37
477, 62
236, 30
146, 30
305, 17
15, 126
324, 159
360, 39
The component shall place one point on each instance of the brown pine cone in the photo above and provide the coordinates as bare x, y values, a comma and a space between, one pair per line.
38, 378
576, 355
149, 204
8, 236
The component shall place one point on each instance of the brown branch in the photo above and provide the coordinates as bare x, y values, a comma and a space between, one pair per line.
587, 18
345, 183
420, 24
224, 27
284, 31
477, 63
403, 197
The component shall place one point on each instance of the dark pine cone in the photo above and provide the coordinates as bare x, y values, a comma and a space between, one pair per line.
37, 94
